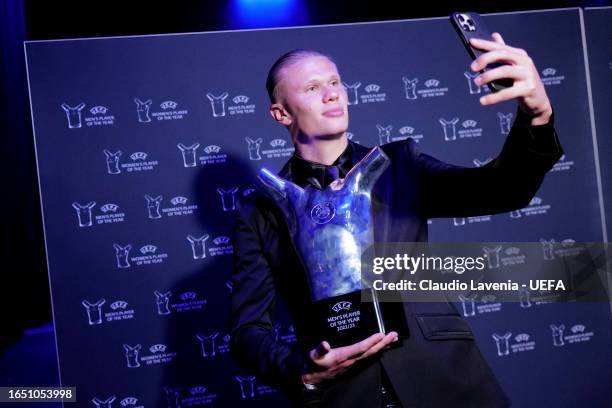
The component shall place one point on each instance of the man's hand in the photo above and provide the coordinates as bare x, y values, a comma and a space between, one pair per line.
335, 361
528, 88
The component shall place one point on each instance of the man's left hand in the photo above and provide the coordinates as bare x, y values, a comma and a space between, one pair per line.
527, 89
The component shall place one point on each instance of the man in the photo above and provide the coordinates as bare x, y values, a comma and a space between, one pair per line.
439, 364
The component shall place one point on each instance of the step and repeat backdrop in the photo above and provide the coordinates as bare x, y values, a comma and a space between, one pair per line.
599, 42
144, 144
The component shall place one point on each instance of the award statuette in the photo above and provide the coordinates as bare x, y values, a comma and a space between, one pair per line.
330, 229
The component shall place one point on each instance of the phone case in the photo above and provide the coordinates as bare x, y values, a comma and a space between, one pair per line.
471, 25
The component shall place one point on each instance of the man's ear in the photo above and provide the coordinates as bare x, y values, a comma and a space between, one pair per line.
280, 114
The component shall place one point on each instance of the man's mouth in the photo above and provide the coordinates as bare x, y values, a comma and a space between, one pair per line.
334, 112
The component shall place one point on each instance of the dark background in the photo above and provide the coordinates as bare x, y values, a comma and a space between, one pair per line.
25, 300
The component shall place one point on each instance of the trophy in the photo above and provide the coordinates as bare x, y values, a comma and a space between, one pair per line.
330, 229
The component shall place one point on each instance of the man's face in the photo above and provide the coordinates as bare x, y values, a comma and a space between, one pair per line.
312, 93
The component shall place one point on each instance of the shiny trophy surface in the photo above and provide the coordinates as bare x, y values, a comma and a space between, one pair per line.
330, 229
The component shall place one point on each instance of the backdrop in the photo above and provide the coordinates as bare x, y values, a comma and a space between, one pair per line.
144, 144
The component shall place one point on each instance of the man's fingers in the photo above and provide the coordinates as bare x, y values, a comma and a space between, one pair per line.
320, 351
357, 349
342, 358
485, 44
388, 339
503, 95
502, 55
344, 353
498, 38
505, 71
376, 343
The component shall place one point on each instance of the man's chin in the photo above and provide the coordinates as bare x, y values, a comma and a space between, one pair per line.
333, 134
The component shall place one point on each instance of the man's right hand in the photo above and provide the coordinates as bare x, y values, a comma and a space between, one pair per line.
335, 361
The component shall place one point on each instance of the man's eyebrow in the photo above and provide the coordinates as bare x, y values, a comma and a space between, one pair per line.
318, 79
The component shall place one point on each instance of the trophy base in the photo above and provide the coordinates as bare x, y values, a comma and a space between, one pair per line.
346, 319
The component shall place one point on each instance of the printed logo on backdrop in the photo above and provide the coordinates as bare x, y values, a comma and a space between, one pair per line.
481, 163
563, 164
198, 246
228, 199
405, 132
505, 122
168, 110
213, 344
541, 293
351, 136
142, 110
432, 88
551, 77
527, 299
578, 334
471, 305
512, 256
98, 116
475, 89
173, 396
536, 207
372, 93
127, 402
410, 87
248, 389
449, 128
566, 248
238, 105
211, 154
384, 134
156, 354
248, 191
86, 218
196, 396
103, 403
139, 162
467, 129
186, 302
148, 255
496, 258
352, 92
179, 207
493, 256
288, 336
119, 311
507, 345
221, 245
276, 148
461, 221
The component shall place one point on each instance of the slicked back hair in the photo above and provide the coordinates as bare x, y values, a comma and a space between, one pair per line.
285, 60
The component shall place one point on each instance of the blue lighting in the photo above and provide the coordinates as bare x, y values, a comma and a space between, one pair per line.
267, 13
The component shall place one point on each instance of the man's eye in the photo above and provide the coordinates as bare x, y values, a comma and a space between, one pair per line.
335, 82
311, 88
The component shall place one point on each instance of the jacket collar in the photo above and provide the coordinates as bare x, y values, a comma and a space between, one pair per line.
299, 170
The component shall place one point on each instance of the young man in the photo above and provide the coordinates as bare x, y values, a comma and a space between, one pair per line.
441, 367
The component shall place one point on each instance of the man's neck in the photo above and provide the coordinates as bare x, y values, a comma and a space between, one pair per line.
322, 151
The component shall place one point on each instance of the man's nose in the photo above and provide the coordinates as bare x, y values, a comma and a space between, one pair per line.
331, 94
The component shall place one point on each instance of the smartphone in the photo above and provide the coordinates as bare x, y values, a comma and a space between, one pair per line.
471, 25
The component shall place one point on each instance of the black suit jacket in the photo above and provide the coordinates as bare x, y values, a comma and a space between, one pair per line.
439, 364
